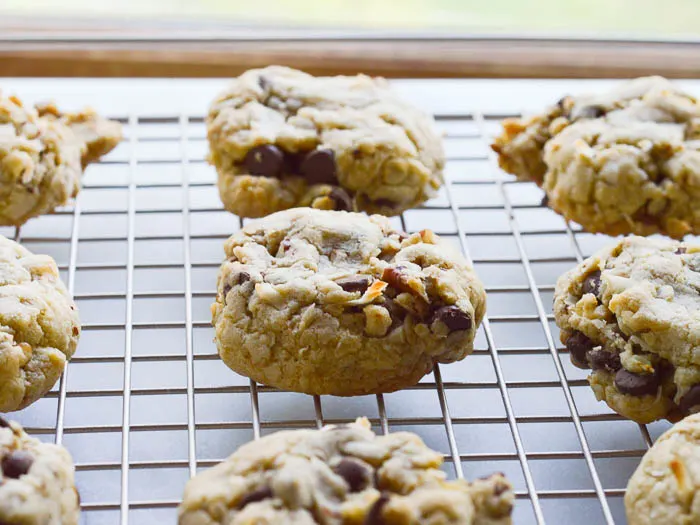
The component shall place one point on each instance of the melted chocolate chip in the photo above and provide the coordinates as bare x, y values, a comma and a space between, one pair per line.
690, 400
578, 346
681, 250
602, 360
343, 202
318, 167
4, 423
17, 464
357, 476
636, 384
266, 160
590, 112
259, 494
592, 283
454, 318
240, 278
356, 283
374, 516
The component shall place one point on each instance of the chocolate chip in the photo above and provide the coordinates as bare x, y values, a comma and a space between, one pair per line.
454, 318
263, 82
356, 283
357, 476
259, 494
319, 167
681, 250
590, 112
4, 423
545, 200
266, 160
592, 283
374, 516
690, 399
561, 102
578, 346
603, 360
17, 464
343, 202
636, 384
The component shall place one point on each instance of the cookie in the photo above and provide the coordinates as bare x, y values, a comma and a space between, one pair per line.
340, 475
281, 138
36, 480
627, 161
329, 302
39, 326
665, 488
42, 156
631, 313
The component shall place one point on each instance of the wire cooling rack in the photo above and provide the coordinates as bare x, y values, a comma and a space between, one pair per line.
146, 402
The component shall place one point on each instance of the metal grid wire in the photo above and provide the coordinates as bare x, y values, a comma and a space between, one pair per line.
146, 400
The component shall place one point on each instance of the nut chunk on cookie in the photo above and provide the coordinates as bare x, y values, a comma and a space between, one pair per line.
42, 156
280, 138
36, 480
329, 302
341, 474
626, 161
631, 313
39, 326
665, 487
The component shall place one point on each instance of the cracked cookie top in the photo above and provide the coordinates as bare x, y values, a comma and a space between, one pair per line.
39, 325
341, 474
36, 480
631, 312
665, 486
341, 286
281, 138
625, 161
42, 156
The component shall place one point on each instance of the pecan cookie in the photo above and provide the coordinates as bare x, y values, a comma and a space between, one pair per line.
329, 302
341, 475
627, 161
42, 156
280, 138
631, 313
665, 488
39, 326
36, 480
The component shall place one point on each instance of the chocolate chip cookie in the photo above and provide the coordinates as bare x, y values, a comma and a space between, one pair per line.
627, 161
39, 326
665, 487
36, 480
340, 475
280, 138
330, 302
631, 313
42, 156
